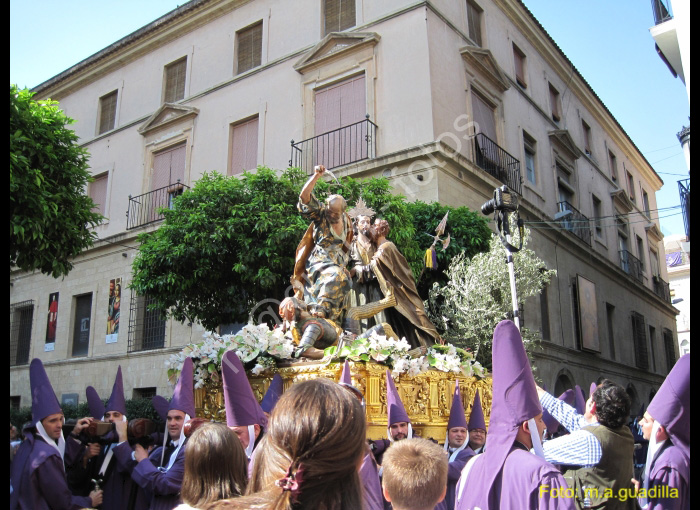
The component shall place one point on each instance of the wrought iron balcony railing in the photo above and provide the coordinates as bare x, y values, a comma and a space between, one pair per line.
143, 209
661, 288
489, 156
572, 220
632, 266
684, 191
336, 148
661, 11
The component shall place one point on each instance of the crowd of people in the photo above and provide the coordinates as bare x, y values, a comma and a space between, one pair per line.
307, 448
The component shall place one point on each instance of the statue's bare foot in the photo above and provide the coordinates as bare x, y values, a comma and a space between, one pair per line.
312, 353
418, 352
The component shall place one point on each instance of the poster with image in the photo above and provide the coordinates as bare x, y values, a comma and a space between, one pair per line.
52, 318
113, 310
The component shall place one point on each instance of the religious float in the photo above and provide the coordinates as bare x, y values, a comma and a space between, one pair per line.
425, 383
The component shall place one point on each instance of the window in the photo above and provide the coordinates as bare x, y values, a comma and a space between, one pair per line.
554, 103
610, 314
645, 203
670, 351
544, 314
474, 22
530, 147
249, 44
597, 216
519, 60
244, 147
81, 324
566, 189
613, 165
168, 167
97, 190
630, 186
108, 112
144, 393
21, 319
146, 327
484, 116
639, 337
654, 259
586, 138
175, 81
640, 252
652, 341
338, 15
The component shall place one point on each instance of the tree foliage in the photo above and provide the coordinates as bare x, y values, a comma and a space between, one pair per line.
50, 214
477, 296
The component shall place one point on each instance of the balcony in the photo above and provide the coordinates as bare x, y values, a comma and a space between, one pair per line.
489, 156
684, 191
339, 147
661, 10
661, 288
632, 266
572, 220
143, 209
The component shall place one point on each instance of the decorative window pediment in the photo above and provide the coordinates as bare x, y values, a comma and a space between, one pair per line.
622, 200
563, 140
485, 64
653, 233
166, 115
334, 45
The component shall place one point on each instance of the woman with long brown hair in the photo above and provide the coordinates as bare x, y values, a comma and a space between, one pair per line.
310, 456
215, 466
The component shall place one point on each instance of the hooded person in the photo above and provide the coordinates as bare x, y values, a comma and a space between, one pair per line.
243, 413
38, 475
477, 426
369, 472
580, 400
95, 404
160, 474
507, 474
666, 424
272, 395
457, 448
550, 421
398, 424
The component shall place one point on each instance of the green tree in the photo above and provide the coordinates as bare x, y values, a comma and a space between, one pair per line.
477, 296
50, 215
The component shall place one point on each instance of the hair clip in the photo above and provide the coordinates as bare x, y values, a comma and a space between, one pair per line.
292, 482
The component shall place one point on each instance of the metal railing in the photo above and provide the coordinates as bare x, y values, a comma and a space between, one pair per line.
143, 209
632, 266
335, 148
661, 10
684, 191
489, 156
661, 288
572, 220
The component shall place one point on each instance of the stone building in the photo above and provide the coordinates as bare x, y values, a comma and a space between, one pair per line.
448, 99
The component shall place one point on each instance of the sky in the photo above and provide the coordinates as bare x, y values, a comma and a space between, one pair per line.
608, 42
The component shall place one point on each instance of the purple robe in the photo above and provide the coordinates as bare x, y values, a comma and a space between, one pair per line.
39, 478
372, 488
454, 471
117, 483
670, 468
164, 486
524, 482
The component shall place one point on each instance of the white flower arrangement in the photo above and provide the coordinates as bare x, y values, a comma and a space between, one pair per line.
386, 350
263, 345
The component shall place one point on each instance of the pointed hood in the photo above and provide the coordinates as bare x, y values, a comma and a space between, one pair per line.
116, 400
579, 400
568, 397
396, 413
671, 404
514, 401
183, 396
476, 418
242, 408
549, 420
592, 389
95, 404
44, 401
161, 405
345, 376
273, 394
457, 418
